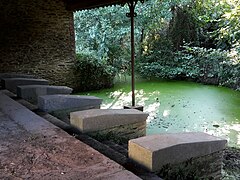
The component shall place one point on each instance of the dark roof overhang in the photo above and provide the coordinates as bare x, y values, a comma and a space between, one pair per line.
76, 5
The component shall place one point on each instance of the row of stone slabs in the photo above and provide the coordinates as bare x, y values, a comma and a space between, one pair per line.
166, 153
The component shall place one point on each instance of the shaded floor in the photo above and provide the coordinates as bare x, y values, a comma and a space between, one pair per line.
44, 151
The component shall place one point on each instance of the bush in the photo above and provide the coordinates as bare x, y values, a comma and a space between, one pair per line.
209, 66
92, 74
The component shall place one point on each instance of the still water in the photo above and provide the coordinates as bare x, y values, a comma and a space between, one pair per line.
178, 106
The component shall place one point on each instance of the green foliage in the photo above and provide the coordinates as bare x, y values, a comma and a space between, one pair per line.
228, 33
210, 66
161, 28
182, 27
91, 74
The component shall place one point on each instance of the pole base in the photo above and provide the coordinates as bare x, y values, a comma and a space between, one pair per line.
140, 108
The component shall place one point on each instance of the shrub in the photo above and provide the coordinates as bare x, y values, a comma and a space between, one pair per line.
209, 66
92, 74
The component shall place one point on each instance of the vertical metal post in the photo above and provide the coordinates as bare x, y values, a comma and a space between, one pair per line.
132, 14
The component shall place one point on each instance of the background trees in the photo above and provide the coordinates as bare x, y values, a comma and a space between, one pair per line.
188, 39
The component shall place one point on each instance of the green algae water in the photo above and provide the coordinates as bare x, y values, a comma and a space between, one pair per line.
177, 106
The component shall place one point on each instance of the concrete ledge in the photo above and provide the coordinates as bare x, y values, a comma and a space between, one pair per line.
24, 117
14, 75
32, 92
50, 103
12, 83
153, 152
99, 119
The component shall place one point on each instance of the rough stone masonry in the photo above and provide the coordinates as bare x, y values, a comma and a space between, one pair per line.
37, 37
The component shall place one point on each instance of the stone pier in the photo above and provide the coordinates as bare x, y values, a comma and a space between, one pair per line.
189, 155
113, 123
60, 105
11, 84
32, 92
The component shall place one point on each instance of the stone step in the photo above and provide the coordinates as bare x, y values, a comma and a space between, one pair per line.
13, 75
61, 105
156, 151
121, 123
11, 84
32, 92
51, 103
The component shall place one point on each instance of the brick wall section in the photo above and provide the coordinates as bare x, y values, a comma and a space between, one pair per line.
37, 37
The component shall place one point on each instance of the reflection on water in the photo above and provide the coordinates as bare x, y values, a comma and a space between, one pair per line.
178, 106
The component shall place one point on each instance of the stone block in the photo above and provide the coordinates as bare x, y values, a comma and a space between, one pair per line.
50, 103
100, 119
155, 151
127, 123
32, 92
13, 75
61, 106
11, 84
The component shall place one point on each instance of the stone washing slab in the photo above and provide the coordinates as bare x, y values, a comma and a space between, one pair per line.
50, 103
154, 151
14, 75
11, 84
32, 92
99, 119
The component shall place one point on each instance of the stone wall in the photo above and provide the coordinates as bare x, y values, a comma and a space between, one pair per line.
37, 37
205, 167
121, 134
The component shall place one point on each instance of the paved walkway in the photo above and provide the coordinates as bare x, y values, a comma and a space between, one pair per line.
33, 148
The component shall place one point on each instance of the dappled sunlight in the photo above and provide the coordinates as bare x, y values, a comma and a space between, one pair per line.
121, 98
235, 127
228, 131
141, 97
115, 94
152, 111
182, 107
166, 113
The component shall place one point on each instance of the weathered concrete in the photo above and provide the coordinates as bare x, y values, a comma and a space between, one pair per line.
61, 106
24, 117
118, 125
32, 92
33, 148
11, 84
155, 151
100, 119
50, 103
11, 75
14, 75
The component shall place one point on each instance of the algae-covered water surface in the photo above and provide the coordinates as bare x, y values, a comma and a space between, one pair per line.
177, 106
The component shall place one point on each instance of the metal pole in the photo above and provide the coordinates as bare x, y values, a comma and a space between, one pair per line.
132, 14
